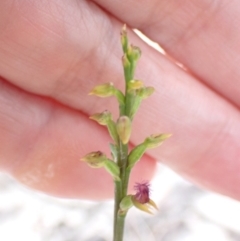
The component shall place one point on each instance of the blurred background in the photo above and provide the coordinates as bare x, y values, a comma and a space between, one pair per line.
186, 213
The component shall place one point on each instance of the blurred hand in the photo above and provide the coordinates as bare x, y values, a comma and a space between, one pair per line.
52, 53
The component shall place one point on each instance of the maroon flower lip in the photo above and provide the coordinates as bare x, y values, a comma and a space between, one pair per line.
142, 192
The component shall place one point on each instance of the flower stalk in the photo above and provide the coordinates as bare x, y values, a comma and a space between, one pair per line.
123, 160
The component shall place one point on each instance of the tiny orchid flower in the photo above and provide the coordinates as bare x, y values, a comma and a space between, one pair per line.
140, 200
142, 192
97, 159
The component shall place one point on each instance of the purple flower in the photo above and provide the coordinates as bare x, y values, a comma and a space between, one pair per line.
140, 200
142, 192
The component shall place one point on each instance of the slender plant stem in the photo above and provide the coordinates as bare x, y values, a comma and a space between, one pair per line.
120, 228
117, 199
126, 180
119, 194
123, 157
121, 189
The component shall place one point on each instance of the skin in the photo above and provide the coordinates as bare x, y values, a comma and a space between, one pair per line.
52, 53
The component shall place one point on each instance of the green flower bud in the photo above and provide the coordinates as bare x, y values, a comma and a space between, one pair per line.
125, 205
145, 92
114, 151
150, 142
156, 140
112, 130
120, 97
102, 118
124, 127
126, 67
98, 159
112, 168
105, 119
136, 153
103, 90
125, 61
106, 90
134, 84
135, 94
134, 53
95, 159
124, 38
133, 103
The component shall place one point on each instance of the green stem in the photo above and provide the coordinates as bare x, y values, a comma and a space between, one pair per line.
126, 180
120, 228
118, 195
122, 187
120, 192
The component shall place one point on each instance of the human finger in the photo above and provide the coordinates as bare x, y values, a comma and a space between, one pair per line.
182, 103
42, 143
202, 35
